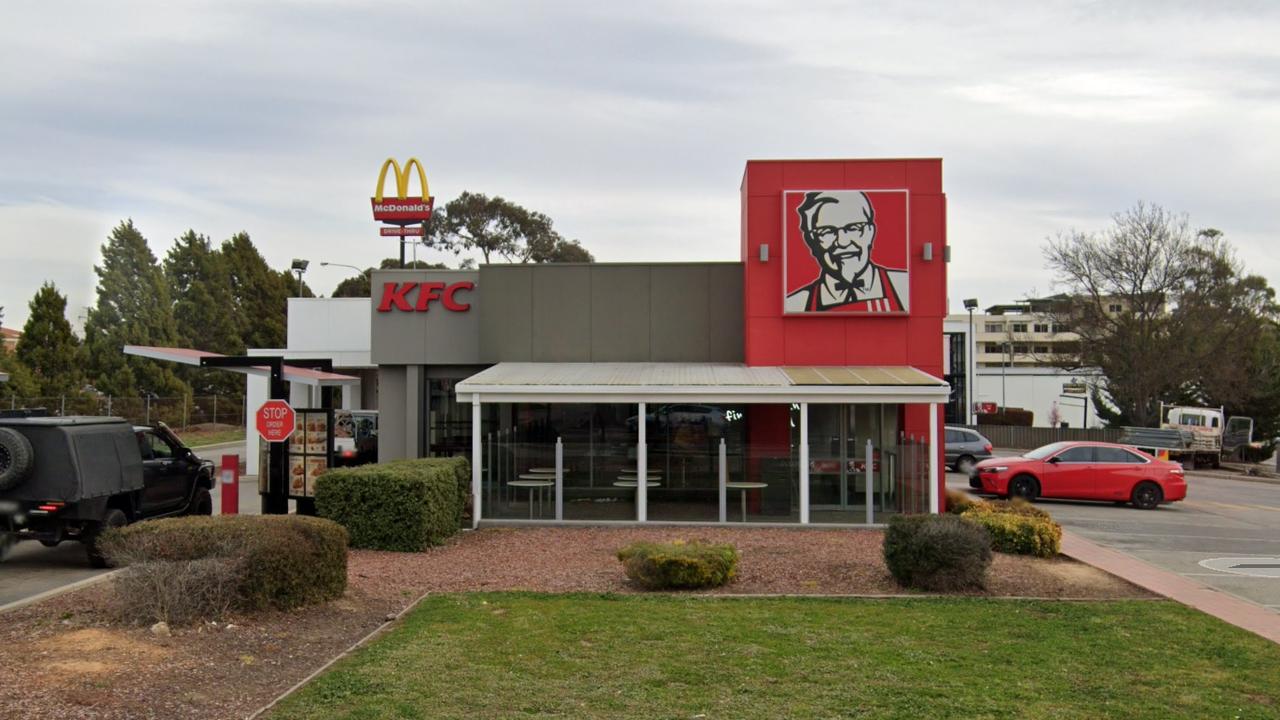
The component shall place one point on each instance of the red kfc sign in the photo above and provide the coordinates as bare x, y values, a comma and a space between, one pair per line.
275, 420
845, 251
418, 296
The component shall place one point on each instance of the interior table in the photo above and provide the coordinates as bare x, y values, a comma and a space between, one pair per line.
744, 487
535, 481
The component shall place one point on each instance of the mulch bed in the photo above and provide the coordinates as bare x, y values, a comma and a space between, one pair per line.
66, 657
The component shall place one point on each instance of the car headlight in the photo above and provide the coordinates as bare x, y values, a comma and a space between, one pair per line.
995, 469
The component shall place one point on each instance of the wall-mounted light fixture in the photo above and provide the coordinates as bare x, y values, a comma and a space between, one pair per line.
928, 252
764, 252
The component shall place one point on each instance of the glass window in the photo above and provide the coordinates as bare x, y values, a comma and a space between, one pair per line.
1077, 455
993, 327
1020, 349
1042, 349
1116, 455
1045, 451
160, 449
1019, 327
1042, 327
953, 436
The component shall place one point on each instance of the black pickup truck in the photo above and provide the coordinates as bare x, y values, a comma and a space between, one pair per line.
69, 478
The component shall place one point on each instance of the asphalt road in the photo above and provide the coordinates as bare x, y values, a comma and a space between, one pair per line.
1231, 525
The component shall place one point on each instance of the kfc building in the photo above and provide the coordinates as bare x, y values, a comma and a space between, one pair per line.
799, 384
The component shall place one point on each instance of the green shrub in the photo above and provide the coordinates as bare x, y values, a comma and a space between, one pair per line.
937, 552
257, 562
679, 564
405, 505
1014, 506
1018, 531
958, 502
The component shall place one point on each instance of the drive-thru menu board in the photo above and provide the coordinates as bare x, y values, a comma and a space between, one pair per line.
310, 450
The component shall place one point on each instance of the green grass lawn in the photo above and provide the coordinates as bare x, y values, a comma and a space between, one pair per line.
217, 437
585, 656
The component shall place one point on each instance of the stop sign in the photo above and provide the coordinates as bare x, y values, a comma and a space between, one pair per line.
275, 421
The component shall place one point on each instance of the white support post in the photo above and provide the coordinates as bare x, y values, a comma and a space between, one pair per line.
724, 479
642, 468
933, 458
477, 458
804, 463
559, 479
870, 468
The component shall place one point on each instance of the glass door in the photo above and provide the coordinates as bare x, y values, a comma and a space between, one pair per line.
839, 461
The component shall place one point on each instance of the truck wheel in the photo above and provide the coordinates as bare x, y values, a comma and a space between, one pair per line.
16, 458
201, 502
114, 518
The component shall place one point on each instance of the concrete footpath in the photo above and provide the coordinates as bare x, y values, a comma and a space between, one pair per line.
1241, 613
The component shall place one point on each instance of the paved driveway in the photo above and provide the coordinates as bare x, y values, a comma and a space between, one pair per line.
33, 569
1235, 522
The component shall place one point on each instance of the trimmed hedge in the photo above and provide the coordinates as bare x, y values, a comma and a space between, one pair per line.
406, 505
679, 565
1013, 530
937, 552
274, 561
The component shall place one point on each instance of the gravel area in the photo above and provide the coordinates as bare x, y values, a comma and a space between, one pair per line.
66, 657
774, 561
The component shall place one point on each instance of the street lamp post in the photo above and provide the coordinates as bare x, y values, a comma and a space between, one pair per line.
971, 364
1004, 364
299, 266
353, 267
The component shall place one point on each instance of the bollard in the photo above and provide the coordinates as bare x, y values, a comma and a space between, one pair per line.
230, 484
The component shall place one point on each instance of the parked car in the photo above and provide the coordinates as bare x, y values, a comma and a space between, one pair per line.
70, 478
964, 448
1084, 471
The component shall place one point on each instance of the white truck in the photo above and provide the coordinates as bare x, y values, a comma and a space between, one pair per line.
1193, 436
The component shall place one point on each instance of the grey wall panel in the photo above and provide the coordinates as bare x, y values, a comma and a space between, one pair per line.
562, 313
506, 330
679, 322
391, 412
619, 313
726, 313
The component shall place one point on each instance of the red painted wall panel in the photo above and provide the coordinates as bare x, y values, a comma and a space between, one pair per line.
774, 338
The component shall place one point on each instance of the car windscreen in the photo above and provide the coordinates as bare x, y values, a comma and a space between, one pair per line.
1041, 453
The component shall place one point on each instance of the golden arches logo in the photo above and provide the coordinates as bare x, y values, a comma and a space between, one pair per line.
402, 179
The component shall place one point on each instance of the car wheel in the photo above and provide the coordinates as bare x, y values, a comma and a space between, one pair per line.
1023, 486
1147, 496
965, 464
16, 456
201, 503
114, 518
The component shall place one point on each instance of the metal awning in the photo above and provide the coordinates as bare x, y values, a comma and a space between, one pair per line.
705, 382
187, 356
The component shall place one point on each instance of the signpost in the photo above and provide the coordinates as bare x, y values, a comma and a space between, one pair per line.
1074, 389
275, 420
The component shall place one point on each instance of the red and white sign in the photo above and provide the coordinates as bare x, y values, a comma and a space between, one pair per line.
275, 420
986, 408
417, 297
402, 209
411, 231
845, 252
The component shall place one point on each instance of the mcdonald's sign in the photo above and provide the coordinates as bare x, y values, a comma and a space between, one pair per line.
402, 209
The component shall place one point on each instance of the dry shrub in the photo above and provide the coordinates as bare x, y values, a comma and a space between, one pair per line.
183, 569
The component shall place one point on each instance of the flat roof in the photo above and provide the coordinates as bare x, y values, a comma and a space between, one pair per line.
187, 356
689, 382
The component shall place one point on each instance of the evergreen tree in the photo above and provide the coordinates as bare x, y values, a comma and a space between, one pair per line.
258, 294
200, 287
133, 308
48, 348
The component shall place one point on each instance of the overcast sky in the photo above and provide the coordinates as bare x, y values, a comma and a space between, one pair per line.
627, 123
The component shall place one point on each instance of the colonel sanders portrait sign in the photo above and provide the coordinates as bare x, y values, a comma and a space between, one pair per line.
845, 251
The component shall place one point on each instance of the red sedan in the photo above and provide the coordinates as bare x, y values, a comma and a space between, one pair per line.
1085, 471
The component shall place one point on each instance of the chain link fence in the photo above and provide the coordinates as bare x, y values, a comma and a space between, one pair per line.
193, 412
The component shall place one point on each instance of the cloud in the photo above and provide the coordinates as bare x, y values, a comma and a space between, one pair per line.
628, 124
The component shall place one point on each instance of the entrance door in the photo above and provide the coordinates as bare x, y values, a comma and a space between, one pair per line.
838, 461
